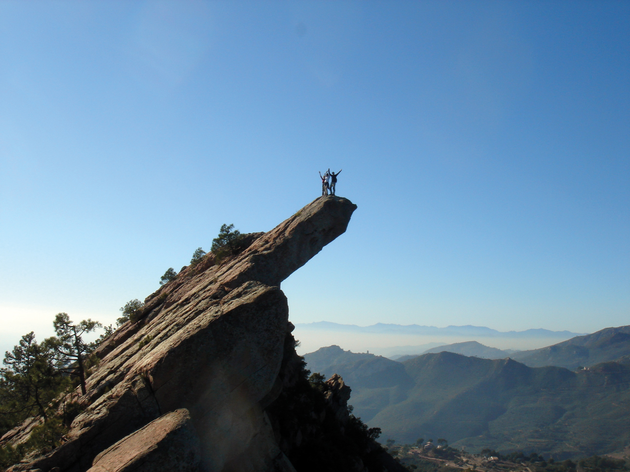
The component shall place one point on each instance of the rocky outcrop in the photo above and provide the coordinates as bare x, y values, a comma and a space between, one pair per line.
196, 373
313, 427
168, 443
337, 395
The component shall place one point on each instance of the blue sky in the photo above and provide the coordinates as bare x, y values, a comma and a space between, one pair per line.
486, 144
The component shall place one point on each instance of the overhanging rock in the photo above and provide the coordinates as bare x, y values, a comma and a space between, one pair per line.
210, 343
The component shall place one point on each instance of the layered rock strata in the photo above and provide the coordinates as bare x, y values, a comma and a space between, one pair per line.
192, 378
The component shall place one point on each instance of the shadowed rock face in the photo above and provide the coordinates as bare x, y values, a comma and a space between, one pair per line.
210, 343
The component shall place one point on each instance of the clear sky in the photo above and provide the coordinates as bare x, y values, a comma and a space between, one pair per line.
486, 144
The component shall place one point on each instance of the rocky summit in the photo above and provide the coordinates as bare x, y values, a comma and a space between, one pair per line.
202, 381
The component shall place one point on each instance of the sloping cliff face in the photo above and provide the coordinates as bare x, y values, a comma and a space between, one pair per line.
194, 384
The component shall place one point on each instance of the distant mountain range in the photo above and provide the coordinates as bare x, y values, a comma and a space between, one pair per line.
466, 331
497, 403
469, 348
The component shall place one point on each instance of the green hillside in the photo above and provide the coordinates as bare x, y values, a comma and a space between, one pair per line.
376, 381
482, 403
609, 344
507, 406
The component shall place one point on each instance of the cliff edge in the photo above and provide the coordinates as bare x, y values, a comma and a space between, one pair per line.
194, 384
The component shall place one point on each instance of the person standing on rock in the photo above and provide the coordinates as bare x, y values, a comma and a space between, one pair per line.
333, 183
324, 178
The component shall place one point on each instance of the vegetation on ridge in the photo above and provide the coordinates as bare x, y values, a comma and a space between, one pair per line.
35, 381
69, 346
227, 243
197, 256
29, 381
480, 403
132, 311
168, 276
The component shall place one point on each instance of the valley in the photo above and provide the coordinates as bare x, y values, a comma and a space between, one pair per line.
576, 405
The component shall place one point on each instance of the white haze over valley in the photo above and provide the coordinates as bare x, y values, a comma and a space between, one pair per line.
394, 345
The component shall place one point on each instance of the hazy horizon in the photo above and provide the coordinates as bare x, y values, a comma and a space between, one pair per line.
388, 345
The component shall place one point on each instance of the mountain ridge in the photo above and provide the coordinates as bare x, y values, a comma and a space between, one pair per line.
501, 404
200, 373
432, 330
472, 349
608, 344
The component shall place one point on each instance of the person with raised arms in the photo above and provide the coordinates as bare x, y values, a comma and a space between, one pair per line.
333, 183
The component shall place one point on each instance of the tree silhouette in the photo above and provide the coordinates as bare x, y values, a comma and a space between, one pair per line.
29, 382
197, 256
131, 311
169, 275
70, 348
227, 242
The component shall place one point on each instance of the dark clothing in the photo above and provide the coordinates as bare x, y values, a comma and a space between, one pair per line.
333, 183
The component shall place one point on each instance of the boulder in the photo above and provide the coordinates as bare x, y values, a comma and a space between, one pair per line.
167, 444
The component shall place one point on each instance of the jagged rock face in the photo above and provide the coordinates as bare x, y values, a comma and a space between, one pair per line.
210, 342
338, 395
313, 427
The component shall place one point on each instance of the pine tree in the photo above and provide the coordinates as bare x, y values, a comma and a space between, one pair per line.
169, 275
227, 242
197, 256
131, 312
70, 347
29, 383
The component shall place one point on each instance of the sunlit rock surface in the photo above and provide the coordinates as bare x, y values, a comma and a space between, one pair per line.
203, 362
